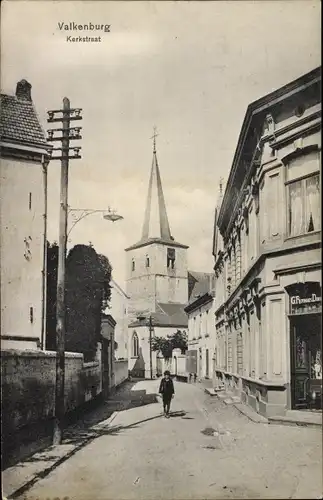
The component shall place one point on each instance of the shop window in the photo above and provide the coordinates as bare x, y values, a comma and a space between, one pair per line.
170, 258
303, 195
135, 345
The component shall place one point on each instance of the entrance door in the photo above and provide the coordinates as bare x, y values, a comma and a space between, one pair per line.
207, 366
306, 361
200, 363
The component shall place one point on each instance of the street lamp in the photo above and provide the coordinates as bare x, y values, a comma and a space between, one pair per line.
150, 325
79, 214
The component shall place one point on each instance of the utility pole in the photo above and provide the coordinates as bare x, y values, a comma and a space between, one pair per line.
150, 349
151, 329
66, 115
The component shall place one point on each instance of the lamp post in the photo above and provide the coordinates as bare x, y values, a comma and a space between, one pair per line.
150, 325
78, 214
64, 153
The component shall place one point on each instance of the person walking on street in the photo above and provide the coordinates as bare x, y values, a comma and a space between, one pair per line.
166, 389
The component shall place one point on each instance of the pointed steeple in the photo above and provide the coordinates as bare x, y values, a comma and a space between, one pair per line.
156, 223
156, 226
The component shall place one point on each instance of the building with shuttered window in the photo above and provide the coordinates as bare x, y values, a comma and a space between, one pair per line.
267, 254
24, 160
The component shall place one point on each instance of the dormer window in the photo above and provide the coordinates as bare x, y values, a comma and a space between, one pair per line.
170, 258
133, 265
147, 261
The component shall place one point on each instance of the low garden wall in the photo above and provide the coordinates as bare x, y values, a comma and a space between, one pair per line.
176, 365
120, 371
28, 387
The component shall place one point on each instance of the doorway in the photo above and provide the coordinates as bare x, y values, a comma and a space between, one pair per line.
306, 361
207, 364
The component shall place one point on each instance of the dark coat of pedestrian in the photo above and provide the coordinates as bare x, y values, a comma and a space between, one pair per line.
166, 389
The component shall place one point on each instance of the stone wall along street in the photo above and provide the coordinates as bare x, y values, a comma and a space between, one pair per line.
120, 371
28, 386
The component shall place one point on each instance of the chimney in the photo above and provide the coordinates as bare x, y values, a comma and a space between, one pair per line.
23, 90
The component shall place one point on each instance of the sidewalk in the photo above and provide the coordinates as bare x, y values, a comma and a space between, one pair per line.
19, 478
291, 418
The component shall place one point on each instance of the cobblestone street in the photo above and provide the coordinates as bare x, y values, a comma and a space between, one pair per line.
205, 450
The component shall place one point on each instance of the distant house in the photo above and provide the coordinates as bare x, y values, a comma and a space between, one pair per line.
119, 310
24, 160
201, 325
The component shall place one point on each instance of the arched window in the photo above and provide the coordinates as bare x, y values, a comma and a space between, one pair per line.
147, 261
135, 345
133, 265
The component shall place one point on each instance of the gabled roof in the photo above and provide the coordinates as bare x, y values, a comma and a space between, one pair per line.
201, 286
199, 283
166, 315
19, 122
115, 285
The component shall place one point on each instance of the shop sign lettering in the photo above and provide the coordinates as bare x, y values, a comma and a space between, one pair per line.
301, 304
297, 300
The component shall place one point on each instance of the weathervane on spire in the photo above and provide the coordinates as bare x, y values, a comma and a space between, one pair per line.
154, 138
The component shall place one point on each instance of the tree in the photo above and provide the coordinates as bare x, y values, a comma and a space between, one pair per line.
87, 293
166, 345
107, 272
51, 291
88, 277
162, 345
179, 341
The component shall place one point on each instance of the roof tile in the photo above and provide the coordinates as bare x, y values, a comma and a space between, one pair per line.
19, 122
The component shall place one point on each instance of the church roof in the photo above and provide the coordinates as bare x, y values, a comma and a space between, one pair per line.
156, 227
167, 315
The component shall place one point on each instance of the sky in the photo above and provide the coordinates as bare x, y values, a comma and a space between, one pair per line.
188, 68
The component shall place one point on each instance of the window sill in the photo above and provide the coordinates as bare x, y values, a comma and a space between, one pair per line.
303, 235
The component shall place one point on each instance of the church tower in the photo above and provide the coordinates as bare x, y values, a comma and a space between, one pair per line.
157, 263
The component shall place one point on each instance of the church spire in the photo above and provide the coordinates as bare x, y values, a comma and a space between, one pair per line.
156, 223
